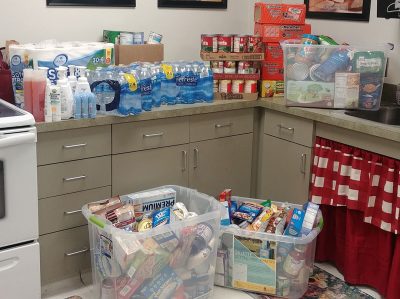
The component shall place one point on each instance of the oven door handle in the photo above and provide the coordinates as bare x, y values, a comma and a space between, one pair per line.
7, 140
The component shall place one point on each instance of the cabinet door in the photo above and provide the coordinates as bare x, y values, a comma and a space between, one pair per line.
222, 163
142, 170
285, 171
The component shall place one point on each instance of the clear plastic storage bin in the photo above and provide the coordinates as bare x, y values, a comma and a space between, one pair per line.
338, 77
170, 261
265, 263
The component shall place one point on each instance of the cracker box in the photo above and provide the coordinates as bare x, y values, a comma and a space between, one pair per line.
272, 70
273, 52
267, 13
274, 33
270, 88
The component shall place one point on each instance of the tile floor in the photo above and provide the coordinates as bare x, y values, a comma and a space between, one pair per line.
63, 289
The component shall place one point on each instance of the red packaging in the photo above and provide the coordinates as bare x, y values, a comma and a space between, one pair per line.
272, 70
255, 44
273, 52
290, 14
272, 33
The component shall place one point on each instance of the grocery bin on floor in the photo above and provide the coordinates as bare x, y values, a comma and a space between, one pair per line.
267, 263
141, 252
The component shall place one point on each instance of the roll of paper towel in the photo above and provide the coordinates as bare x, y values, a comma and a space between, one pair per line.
51, 54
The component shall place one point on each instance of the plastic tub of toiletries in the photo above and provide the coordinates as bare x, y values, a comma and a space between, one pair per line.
266, 263
174, 260
333, 76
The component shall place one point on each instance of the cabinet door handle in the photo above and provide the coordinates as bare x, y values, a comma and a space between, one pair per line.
282, 127
195, 158
82, 177
153, 135
223, 125
303, 164
83, 250
72, 212
184, 160
74, 145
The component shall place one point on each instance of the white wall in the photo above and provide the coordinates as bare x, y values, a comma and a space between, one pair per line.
32, 21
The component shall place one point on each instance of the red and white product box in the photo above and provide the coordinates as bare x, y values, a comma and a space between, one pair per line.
291, 14
272, 70
272, 33
273, 52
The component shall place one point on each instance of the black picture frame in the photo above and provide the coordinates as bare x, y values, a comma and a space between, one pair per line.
217, 4
97, 3
332, 15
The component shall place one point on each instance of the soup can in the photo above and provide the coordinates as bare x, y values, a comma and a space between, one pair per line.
209, 43
216, 86
230, 67
255, 44
240, 43
237, 86
250, 86
245, 67
217, 67
225, 43
225, 86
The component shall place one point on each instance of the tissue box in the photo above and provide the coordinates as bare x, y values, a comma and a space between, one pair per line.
126, 54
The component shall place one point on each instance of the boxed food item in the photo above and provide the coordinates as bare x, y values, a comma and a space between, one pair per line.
256, 255
126, 54
272, 70
165, 259
274, 33
333, 76
273, 52
270, 88
269, 13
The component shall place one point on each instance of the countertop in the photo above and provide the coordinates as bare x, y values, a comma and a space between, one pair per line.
327, 116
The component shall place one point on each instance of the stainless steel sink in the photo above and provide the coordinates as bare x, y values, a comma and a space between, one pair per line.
389, 115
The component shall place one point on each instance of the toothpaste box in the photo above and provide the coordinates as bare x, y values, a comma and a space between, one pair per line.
274, 33
269, 13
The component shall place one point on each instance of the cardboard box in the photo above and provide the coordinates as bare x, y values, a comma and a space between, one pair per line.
126, 54
273, 33
270, 88
273, 52
292, 14
272, 70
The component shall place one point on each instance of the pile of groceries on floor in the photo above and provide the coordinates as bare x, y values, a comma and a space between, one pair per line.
267, 247
160, 243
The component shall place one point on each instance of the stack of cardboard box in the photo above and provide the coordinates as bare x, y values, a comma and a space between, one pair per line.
276, 23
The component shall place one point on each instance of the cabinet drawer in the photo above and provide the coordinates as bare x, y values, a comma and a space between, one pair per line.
68, 177
289, 127
64, 254
63, 212
221, 124
142, 135
68, 145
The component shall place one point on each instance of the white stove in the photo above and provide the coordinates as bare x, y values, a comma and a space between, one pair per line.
19, 229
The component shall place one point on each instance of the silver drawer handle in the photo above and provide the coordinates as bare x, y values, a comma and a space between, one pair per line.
82, 177
223, 125
303, 161
280, 126
72, 212
84, 250
196, 158
184, 160
74, 145
154, 135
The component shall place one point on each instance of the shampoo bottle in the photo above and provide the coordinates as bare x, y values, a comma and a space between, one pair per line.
48, 117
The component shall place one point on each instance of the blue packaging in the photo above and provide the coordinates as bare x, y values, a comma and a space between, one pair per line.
85, 105
78, 106
233, 207
146, 90
338, 61
161, 217
251, 209
162, 285
296, 223
92, 106
225, 215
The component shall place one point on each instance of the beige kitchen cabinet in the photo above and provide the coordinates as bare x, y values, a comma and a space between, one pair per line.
284, 170
221, 163
141, 170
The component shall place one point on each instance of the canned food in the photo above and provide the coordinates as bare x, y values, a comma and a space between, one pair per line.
250, 86
230, 67
225, 43
217, 67
209, 43
283, 286
240, 43
245, 67
216, 86
255, 44
237, 86
225, 86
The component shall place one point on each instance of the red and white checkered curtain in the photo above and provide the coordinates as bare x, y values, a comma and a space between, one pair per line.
343, 175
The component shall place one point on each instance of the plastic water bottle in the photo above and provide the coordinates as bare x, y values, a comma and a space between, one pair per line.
131, 99
188, 84
180, 83
146, 89
168, 84
98, 90
156, 85
197, 91
108, 92
208, 87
